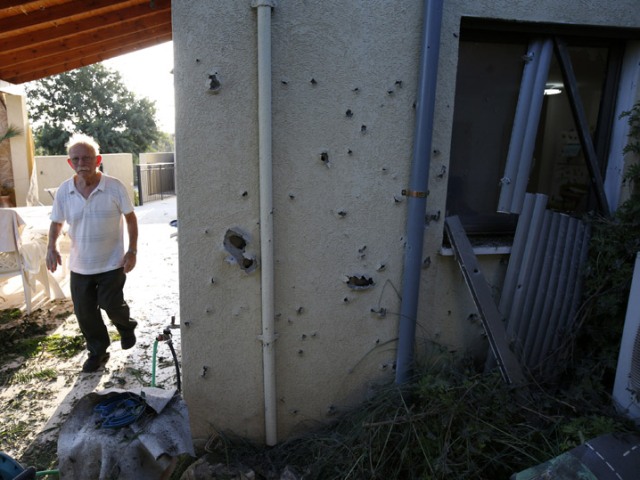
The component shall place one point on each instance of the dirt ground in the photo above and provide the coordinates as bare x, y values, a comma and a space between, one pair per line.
37, 393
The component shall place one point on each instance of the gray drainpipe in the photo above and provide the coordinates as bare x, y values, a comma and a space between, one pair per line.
418, 184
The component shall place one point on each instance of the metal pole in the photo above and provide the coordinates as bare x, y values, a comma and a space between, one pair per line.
139, 172
418, 185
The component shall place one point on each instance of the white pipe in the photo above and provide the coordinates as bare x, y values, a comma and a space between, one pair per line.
268, 336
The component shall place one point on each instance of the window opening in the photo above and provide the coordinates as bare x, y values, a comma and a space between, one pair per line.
585, 127
488, 86
487, 89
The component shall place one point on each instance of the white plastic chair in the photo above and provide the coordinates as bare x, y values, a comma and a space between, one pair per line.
11, 261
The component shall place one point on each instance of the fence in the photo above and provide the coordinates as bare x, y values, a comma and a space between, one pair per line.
155, 181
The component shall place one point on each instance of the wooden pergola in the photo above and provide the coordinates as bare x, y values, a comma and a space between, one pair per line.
39, 38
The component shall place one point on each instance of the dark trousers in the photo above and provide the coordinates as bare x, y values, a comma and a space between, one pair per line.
90, 293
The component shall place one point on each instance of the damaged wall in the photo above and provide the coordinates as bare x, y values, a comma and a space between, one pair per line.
344, 90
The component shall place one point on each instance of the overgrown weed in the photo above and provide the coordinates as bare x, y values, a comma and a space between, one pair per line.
28, 338
46, 374
451, 422
9, 315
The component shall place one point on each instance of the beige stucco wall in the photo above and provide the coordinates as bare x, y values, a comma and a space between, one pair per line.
52, 170
18, 154
335, 215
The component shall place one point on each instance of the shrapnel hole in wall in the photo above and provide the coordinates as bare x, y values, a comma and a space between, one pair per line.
235, 244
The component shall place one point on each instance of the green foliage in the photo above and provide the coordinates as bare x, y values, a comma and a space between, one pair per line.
46, 374
63, 346
612, 254
92, 100
28, 338
21, 340
633, 117
14, 431
164, 143
453, 422
11, 132
9, 315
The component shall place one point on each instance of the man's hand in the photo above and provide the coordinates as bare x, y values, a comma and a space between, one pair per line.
129, 261
53, 259
53, 256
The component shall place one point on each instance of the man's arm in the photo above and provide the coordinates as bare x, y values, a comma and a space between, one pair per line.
132, 230
53, 256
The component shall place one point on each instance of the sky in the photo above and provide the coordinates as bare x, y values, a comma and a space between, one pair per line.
147, 73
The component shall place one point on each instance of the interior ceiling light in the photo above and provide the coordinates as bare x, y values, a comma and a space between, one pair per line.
553, 88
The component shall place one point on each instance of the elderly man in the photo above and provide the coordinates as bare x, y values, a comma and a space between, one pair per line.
94, 205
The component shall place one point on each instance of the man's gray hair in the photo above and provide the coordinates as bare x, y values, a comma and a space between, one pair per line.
82, 139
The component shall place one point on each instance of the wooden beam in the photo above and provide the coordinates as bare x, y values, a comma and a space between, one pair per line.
607, 112
491, 318
87, 50
66, 12
140, 26
582, 125
20, 39
88, 58
15, 7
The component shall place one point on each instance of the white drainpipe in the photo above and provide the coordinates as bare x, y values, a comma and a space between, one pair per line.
268, 336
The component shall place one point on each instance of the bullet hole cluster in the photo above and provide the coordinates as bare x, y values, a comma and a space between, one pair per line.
388, 366
432, 216
360, 282
474, 318
213, 82
235, 244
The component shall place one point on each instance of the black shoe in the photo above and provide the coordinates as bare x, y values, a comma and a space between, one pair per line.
128, 341
94, 362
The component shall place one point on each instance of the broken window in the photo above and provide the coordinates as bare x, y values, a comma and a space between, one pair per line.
494, 146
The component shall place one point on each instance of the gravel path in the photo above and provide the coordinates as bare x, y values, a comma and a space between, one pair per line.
34, 408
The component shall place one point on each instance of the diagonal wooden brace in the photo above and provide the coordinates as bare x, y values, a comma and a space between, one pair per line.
489, 314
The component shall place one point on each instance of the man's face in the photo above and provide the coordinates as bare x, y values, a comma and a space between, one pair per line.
83, 160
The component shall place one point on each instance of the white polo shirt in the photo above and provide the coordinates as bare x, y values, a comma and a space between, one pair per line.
95, 224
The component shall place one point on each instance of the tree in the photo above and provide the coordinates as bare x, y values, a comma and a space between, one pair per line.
91, 100
164, 143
